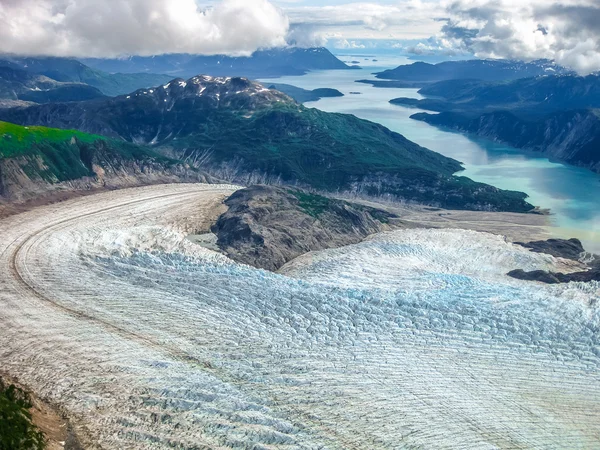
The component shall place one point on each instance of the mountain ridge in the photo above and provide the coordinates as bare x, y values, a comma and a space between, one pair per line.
569, 136
261, 64
238, 130
69, 70
480, 69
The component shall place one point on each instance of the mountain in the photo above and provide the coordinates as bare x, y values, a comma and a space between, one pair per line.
35, 161
67, 70
16, 84
267, 226
571, 136
554, 115
305, 95
524, 97
241, 131
261, 64
486, 70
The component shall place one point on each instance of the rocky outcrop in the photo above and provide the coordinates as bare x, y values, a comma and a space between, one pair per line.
268, 226
561, 248
555, 278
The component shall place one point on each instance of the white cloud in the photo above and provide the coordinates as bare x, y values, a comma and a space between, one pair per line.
346, 44
142, 27
404, 19
306, 36
567, 31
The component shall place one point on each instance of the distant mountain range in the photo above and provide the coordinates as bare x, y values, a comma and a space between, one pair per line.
240, 130
527, 97
17, 84
49, 79
66, 70
477, 69
261, 64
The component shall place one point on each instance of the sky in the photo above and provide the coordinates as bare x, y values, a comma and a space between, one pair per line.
567, 31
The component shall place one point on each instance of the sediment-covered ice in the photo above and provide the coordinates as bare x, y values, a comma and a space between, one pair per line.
411, 339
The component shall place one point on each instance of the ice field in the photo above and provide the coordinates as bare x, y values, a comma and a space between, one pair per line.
410, 339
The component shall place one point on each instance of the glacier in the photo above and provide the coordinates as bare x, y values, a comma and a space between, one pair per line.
410, 339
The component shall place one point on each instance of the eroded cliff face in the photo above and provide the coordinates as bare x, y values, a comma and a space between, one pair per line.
79, 166
570, 136
569, 249
267, 226
573, 137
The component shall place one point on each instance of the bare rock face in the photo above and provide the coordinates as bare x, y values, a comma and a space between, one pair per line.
267, 226
554, 278
71, 166
560, 248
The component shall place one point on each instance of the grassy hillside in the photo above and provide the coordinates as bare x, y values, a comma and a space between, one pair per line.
17, 140
55, 155
17, 432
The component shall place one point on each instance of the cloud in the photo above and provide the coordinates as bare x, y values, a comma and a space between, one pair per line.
306, 36
567, 32
107, 28
435, 46
346, 44
365, 20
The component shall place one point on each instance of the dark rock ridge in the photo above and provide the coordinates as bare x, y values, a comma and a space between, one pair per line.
240, 130
561, 248
268, 226
555, 278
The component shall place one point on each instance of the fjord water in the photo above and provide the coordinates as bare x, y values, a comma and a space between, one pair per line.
571, 194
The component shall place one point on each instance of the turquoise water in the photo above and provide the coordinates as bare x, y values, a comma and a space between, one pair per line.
571, 194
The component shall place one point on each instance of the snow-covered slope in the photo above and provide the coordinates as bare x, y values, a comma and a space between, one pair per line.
412, 339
